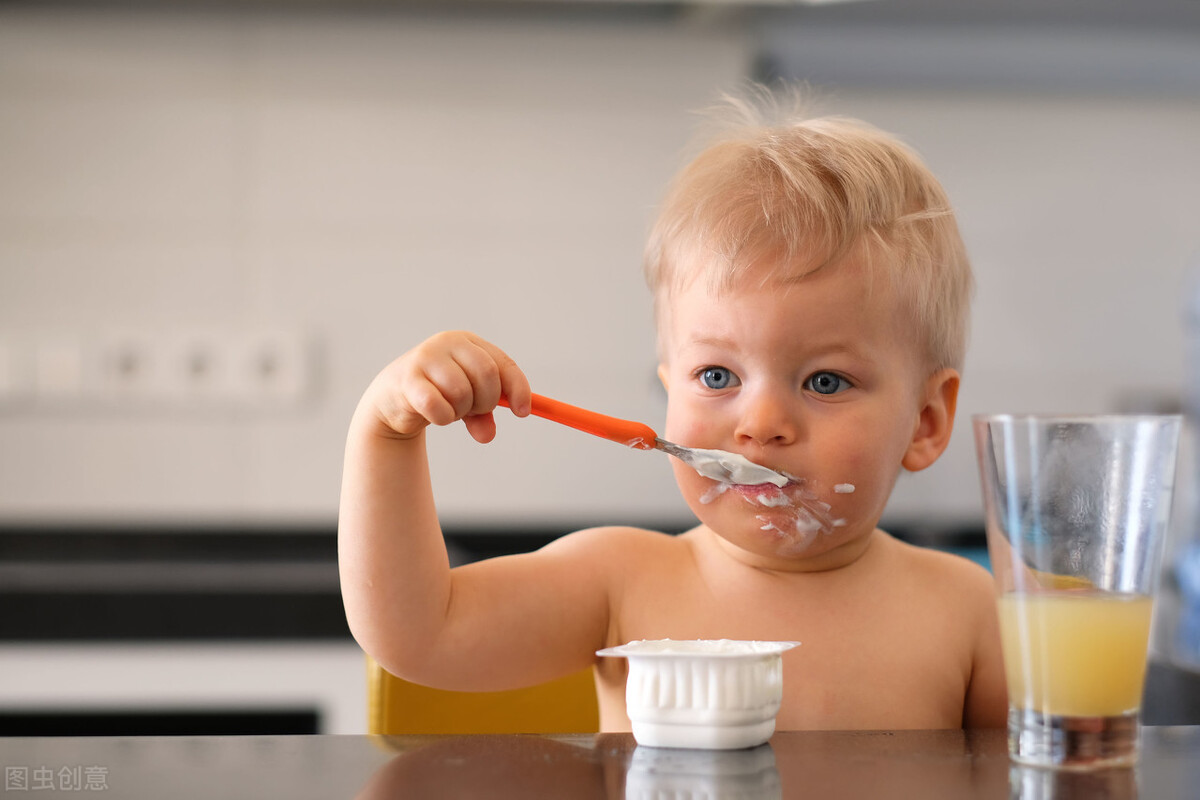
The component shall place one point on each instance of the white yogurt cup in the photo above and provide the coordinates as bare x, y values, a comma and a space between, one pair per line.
704, 694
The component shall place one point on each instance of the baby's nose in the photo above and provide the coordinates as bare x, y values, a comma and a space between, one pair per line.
767, 418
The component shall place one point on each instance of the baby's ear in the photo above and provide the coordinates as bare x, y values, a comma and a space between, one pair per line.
662, 377
935, 421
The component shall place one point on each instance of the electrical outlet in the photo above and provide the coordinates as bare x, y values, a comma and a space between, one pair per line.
213, 368
202, 369
129, 369
273, 366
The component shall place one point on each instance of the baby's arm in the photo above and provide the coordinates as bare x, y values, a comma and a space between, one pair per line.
986, 703
491, 625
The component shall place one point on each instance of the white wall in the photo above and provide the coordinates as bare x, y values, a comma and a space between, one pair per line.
358, 182
364, 181
1081, 215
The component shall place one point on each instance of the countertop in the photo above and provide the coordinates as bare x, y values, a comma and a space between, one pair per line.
894, 764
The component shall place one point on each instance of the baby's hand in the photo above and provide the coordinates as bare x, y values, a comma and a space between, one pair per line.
451, 376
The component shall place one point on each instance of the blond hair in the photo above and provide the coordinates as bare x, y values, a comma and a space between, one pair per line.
800, 194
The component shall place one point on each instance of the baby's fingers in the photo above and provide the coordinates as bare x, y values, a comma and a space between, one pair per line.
492, 374
439, 398
482, 427
514, 386
469, 375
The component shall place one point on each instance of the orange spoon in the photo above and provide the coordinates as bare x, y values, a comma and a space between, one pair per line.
716, 464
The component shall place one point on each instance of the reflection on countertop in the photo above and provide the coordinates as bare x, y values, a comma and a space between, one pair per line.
924, 764
823, 764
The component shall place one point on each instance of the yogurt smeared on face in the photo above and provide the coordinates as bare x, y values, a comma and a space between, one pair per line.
796, 512
773, 499
716, 491
803, 524
800, 514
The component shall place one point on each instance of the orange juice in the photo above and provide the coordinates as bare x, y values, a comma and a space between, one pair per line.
1075, 654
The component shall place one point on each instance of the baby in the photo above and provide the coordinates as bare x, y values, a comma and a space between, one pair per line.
811, 294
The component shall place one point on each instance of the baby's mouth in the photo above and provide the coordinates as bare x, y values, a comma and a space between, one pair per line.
765, 494
794, 506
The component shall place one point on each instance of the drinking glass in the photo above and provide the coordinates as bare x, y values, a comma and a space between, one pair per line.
1076, 514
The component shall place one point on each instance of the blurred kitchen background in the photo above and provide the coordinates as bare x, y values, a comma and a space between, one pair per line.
219, 221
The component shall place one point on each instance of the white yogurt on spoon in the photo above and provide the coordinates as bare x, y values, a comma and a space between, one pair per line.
726, 467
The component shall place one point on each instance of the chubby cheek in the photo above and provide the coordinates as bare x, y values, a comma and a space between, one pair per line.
855, 489
857, 500
687, 427
692, 485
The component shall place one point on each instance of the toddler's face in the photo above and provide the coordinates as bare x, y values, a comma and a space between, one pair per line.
817, 379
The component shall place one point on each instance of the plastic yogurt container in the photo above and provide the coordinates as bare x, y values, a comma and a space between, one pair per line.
710, 694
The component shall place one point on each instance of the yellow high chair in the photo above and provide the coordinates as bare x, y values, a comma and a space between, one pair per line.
396, 706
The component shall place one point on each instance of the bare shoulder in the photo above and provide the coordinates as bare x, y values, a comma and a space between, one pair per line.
960, 594
611, 544
943, 573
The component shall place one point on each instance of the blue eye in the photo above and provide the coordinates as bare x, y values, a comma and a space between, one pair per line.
717, 378
827, 383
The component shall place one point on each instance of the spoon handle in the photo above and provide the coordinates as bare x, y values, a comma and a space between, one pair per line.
622, 431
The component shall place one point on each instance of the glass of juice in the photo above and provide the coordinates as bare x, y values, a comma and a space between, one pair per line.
1076, 514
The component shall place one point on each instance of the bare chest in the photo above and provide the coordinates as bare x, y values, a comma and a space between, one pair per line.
883, 660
